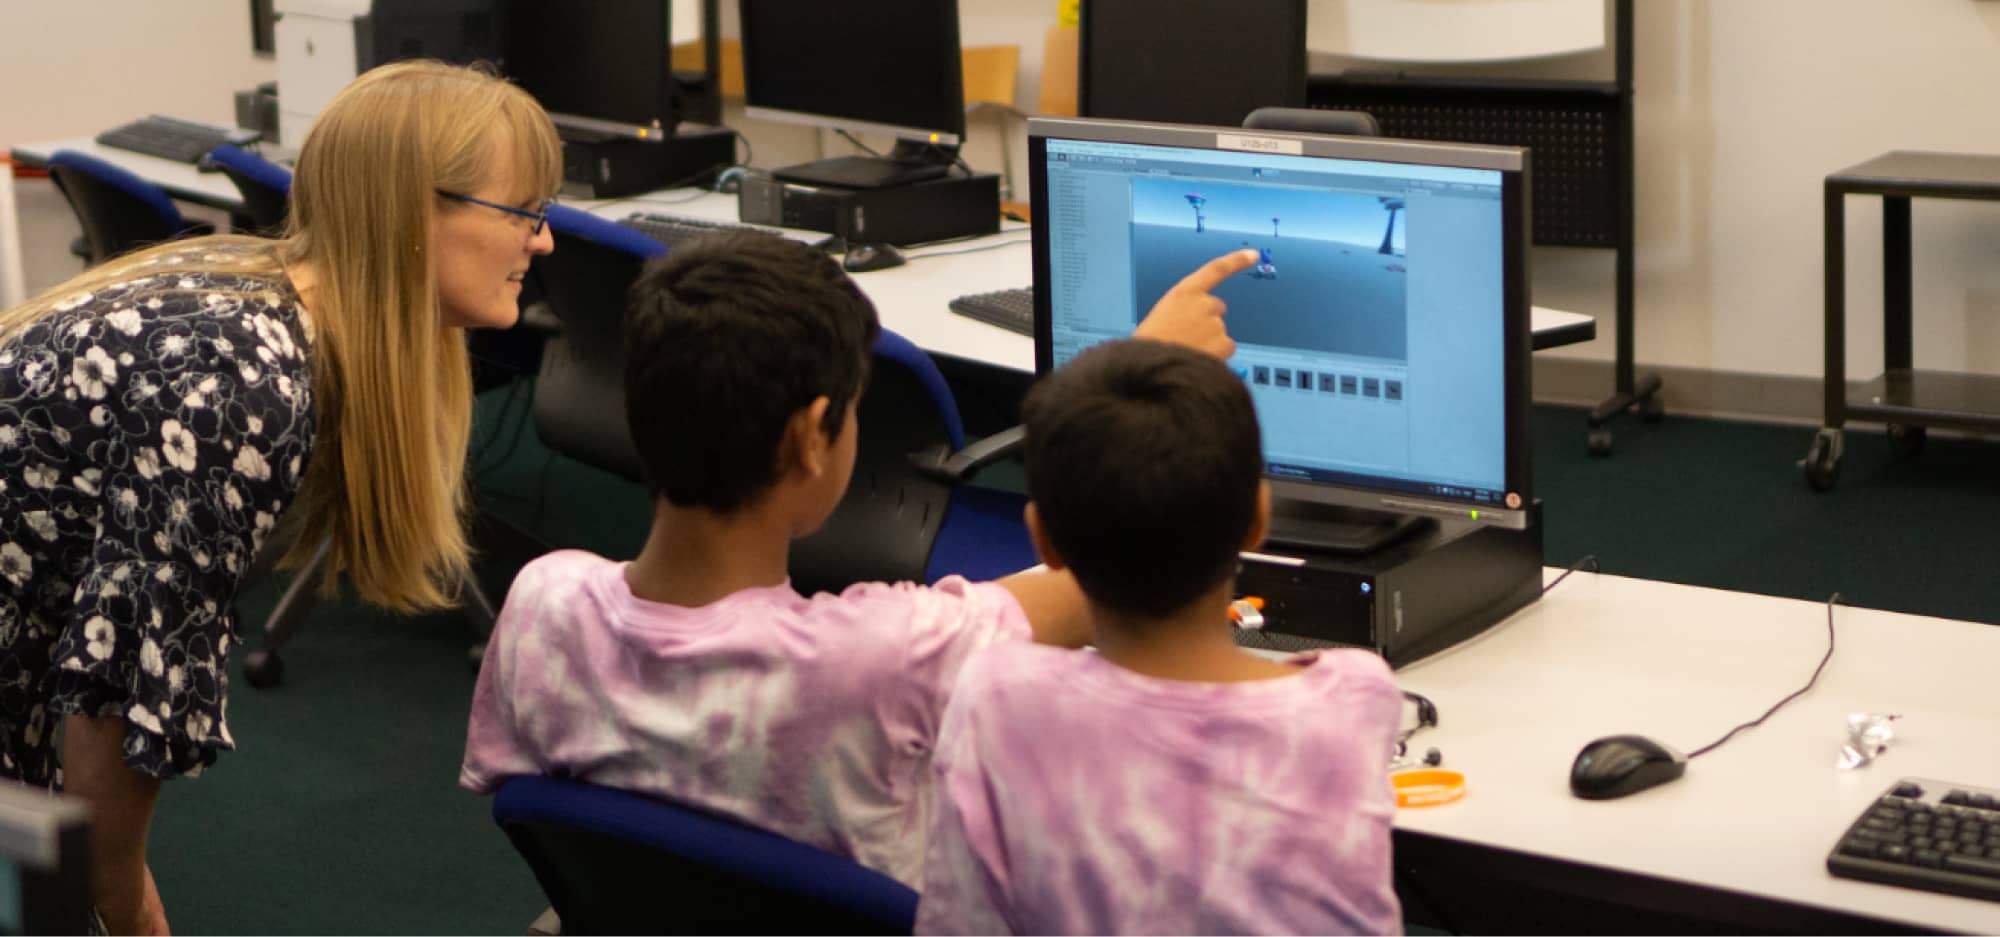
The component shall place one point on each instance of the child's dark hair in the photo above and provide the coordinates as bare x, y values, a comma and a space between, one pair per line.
1143, 460
725, 339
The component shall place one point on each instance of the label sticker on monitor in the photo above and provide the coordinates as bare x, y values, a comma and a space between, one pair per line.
1237, 141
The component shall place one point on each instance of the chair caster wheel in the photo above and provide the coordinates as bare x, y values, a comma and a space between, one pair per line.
1599, 442
1822, 460
1652, 409
264, 669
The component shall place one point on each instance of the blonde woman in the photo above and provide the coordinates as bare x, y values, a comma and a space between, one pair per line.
159, 412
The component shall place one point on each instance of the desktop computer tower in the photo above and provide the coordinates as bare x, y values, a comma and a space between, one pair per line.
954, 206
595, 167
1406, 601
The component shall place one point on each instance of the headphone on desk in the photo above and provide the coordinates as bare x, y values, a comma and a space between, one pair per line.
1427, 716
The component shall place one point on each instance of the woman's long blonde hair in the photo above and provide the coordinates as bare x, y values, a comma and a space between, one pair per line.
392, 385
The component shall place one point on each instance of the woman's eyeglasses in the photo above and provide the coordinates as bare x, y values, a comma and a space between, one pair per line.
540, 217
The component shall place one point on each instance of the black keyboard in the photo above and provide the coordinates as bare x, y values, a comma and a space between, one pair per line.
1933, 835
673, 230
1013, 310
182, 141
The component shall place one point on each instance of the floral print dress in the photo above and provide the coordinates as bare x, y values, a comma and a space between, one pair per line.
150, 434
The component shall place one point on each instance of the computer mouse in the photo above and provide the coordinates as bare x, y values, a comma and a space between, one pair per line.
1617, 765
862, 258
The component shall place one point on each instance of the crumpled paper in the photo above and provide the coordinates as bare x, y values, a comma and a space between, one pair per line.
1868, 735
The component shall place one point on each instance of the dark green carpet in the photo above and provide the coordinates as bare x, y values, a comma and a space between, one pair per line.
340, 812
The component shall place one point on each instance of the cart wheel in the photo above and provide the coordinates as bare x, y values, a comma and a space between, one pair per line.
1599, 441
1652, 409
1906, 440
1822, 462
264, 669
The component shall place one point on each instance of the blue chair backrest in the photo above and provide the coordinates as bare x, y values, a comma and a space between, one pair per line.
118, 210
266, 186
613, 861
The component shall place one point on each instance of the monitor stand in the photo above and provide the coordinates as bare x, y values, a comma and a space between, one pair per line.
1329, 528
910, 162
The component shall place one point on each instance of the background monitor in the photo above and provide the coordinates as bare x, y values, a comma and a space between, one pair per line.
883, 66
1385, 333
697, 25
592, 62
1205, 62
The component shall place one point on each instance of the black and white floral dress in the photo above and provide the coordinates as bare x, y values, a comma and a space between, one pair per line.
150, 434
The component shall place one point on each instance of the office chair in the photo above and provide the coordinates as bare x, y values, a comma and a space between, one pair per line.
1314, 120
616, 862
909, 514
901, 520
579, 406
118, 210
266, 187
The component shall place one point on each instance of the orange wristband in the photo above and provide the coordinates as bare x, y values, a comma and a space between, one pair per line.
1427, 787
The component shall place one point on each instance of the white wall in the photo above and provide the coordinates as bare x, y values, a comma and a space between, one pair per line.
72, 68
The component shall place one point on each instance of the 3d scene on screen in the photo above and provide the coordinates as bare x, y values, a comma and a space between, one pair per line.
1330, 274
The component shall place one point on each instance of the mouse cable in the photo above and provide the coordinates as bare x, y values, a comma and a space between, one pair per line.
970, 250
1801, 691
1590, 559
749, 152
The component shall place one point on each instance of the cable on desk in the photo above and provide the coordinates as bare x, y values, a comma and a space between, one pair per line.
851, 138
971, 250
1801, 691
749, 152
1590, 558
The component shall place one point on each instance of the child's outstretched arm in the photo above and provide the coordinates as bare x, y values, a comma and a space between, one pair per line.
1189, 314
1054, 606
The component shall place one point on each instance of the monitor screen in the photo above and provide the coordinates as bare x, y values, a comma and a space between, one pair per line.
598, 60
1211, 62
888, 66
1384, 332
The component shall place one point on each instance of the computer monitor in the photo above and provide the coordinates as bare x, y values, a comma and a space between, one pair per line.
44, 862
1384, 334
883, 66
596, 65
1206, 62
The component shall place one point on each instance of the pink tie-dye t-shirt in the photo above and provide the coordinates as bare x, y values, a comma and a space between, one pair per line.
1077, 797
814, 718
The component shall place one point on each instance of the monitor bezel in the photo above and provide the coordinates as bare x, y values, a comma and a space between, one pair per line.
952, 135
1511, 162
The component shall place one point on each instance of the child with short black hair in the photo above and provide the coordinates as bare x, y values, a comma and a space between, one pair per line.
1170, 782
695, 672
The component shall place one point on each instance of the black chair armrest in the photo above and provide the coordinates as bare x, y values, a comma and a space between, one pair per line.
959, 467
540, 318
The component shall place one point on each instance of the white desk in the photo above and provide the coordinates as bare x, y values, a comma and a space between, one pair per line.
912, 299
1604, 655
180, 180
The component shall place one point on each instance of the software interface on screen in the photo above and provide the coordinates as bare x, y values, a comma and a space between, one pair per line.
1371, 330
